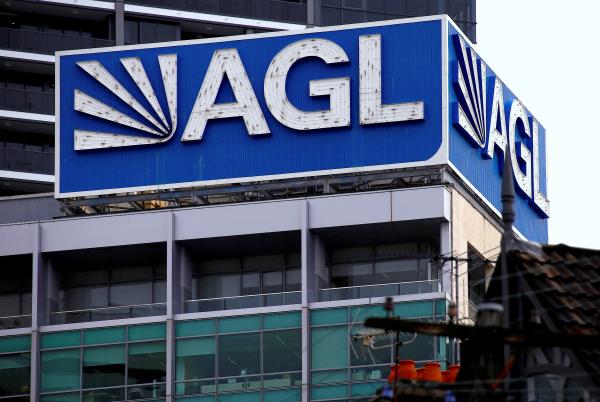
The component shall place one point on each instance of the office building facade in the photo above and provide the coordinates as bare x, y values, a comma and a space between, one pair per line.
246, 302
31, 31
251, 293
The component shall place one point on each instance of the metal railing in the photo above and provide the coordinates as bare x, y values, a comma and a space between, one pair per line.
108, 313
238, 302
274, 10
25, 100
15, 321
46, 42
240, 383
379, 290
22, 160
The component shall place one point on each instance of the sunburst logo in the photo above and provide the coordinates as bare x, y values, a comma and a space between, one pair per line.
157, 128
470, 114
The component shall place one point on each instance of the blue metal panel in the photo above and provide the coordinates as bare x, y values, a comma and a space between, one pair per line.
411, 63
484, 174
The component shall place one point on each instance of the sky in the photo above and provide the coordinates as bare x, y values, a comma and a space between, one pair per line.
548, 53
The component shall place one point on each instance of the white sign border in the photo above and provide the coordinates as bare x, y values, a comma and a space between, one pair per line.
441, 156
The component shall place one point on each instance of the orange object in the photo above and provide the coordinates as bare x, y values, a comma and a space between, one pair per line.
403, 370
453, 373
432, 372
420, 372
445, 374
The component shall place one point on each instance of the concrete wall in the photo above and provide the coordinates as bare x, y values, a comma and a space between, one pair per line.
470, 227
227, 220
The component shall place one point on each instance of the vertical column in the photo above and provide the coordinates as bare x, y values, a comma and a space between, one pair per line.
445, 274
306, 279
173, 302
313, 13
38, 299
119, 22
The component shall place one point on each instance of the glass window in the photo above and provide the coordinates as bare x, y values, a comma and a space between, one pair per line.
70, 397
192, 328
392, 271
147, 363
356, 274
148, 32
421, 349
213, 286
103, 395
147, 332
239, 355
361, 355
131, 32
14, 374
250, 283
103, 335
282, 351
61, 339
130, 293
86, 297
292, 280
60, 370
82, 278
272, 282
10, 304
104, 366
160, 291
195, 358
131, 274
15, 344
329, 347
351, 255
264, 262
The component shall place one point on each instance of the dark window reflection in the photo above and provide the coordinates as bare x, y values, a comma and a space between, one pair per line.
104, 366
239, 355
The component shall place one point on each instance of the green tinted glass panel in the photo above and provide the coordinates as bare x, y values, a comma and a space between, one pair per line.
414, 309
15, 344
103, 335
329, 347
61, 339
367, 389
104, 366
330, 392
193, 328
196, 346
198, 387
146, 363
196, 399
440, 307
284, 395
104, 355
329, 316
60, 370
246, 397
283, 320
329, 376
361, 313
15, 374
71, 397
144, 348
442, 350
239, 324
195, 358
147, 332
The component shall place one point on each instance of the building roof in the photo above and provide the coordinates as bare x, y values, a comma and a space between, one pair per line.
562, 284
565, 281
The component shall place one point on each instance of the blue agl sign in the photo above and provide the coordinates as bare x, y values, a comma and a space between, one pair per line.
282, 105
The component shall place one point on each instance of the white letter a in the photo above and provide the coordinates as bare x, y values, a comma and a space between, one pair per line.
225, 61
